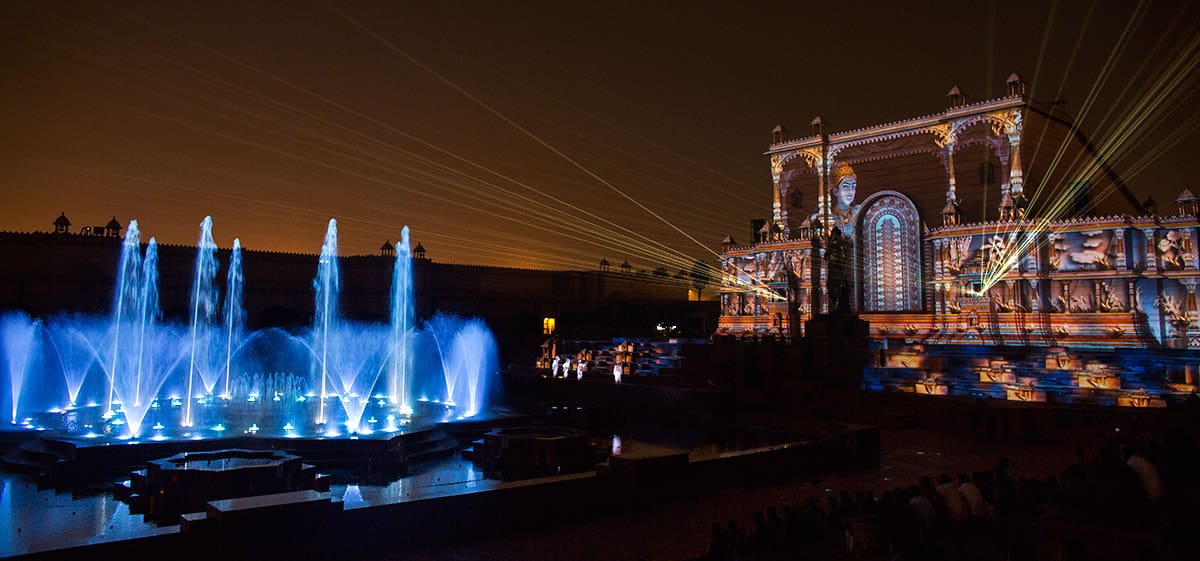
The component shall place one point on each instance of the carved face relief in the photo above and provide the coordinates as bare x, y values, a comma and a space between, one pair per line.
846, 191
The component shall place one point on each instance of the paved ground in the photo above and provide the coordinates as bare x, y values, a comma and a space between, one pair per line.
680, 529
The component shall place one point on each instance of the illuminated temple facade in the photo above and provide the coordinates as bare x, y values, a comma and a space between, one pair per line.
994, 223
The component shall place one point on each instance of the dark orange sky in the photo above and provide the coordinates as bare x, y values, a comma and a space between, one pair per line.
275, 116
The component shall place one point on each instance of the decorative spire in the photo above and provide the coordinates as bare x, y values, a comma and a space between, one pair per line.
956, 97
1007, 207
113, 228
1187, 202
1016, 86
818, 125
62, 224
950, 214
779, 134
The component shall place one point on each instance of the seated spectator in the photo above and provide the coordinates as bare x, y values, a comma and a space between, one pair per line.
956, 506
973, 496
926, 512
1152, 483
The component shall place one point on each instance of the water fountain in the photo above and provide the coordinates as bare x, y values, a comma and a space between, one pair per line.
137, 377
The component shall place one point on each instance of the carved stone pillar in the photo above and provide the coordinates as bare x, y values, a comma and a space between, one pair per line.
824, 208
1119, 243
1131, 286
1188, 245
1050, 238
1191, 312
1066, 296
952, 190
938, 298
1097, 294
777, 212
1151, 250
937, 258
1013, 298
776, 204
1035, 304
821, 297
1016, 178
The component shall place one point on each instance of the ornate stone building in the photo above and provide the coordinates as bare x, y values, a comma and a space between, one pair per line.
994, 222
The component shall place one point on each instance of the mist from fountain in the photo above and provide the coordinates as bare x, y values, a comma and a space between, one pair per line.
74, 341
19, 335
471, 357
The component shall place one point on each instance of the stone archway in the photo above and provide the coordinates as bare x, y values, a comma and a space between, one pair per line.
888, 247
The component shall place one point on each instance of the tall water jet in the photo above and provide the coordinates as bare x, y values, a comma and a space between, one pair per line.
19, 333
125, 306
327, 286
402, 325
234, 314
147, 311
204, 303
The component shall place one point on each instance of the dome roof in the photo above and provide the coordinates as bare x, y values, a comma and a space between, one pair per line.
62, 220
113, 224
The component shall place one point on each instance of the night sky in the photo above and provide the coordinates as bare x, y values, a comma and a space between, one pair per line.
528, 134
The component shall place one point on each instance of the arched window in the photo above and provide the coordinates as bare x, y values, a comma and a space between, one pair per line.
890, 259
